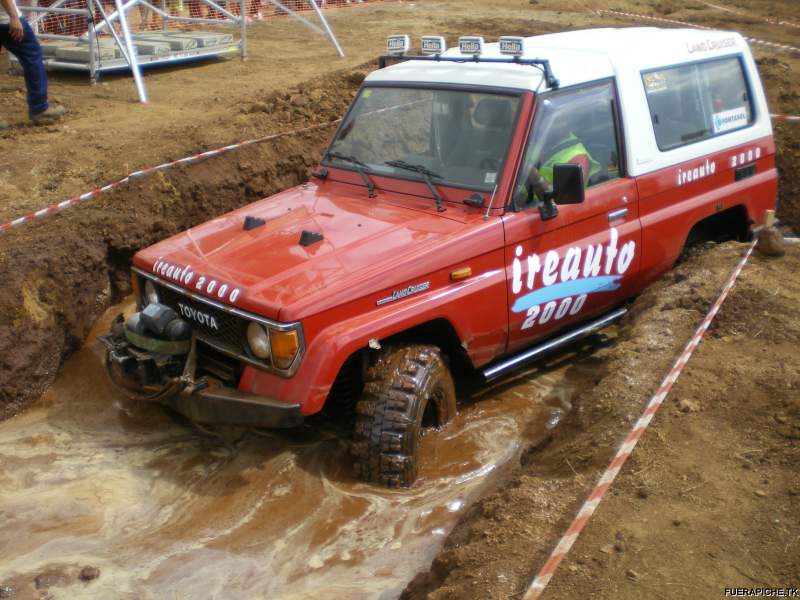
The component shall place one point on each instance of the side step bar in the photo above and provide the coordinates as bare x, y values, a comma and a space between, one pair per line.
553, 344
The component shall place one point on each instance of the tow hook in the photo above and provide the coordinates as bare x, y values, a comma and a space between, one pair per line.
118, 358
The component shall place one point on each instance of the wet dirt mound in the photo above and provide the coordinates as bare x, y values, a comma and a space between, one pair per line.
787, 137
60, 274
780, 81
309, 103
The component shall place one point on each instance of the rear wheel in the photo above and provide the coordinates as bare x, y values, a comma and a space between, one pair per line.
407, 390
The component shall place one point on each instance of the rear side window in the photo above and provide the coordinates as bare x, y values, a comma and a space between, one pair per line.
691, 103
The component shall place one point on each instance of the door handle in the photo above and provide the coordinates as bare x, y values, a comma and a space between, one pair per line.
617, 214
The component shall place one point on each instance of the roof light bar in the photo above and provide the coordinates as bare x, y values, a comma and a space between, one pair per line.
512, 45
398, 44
433, 44
470, 44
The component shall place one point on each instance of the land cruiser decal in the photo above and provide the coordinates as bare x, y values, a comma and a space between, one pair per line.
186, 276
559, 285
405, 292
709, 45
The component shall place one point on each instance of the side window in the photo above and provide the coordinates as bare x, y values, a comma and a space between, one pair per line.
571, 126
695, 102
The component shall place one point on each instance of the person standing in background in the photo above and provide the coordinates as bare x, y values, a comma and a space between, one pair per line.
17, 37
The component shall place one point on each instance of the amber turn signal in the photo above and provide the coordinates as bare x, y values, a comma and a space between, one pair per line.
285, 345
461, 273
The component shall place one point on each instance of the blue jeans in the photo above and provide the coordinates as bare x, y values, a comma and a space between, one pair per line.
29, 54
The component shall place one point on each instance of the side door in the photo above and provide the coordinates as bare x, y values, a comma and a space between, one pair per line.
585, 260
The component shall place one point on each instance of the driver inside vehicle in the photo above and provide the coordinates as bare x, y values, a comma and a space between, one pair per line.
562, 146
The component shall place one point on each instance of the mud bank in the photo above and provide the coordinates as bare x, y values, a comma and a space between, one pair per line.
60, 274
781, 83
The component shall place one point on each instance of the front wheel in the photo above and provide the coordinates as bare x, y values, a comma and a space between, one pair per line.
406, 390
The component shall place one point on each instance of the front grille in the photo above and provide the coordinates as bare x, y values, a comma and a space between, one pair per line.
229, 336
228, 332
221, 366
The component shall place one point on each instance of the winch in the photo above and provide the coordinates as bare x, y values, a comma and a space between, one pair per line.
147, 354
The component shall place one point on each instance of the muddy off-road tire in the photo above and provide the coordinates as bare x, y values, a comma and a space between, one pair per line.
406, 390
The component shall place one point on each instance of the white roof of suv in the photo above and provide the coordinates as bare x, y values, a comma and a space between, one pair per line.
578, 57
575, 57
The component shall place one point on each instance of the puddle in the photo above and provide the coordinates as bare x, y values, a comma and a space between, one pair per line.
166, 511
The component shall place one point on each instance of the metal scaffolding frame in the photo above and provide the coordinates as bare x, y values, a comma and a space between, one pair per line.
125, 41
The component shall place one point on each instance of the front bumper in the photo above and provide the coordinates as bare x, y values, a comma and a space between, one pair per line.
221, 404
200, 398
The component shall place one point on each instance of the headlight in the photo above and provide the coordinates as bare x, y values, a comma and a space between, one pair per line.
258, 340
285, 345
150, 293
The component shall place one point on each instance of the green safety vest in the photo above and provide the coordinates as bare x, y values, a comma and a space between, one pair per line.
564, 152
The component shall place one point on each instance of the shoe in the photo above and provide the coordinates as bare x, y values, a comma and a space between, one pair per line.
51, 115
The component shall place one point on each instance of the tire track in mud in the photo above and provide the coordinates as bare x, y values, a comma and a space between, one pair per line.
166, 511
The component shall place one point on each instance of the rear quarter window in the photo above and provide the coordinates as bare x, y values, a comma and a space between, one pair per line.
693, 102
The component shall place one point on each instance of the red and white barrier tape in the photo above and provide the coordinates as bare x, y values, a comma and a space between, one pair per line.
590, 505
182, 161
785, 117
750, 15
663, 20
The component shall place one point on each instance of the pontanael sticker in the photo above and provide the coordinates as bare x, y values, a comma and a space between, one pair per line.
558, 285
730, 119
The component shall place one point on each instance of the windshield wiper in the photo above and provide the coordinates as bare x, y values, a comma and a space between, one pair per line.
426, 174
359, 166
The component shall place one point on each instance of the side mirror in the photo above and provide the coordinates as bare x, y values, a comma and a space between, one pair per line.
568, 184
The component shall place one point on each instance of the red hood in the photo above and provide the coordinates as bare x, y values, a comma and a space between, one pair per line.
369, 244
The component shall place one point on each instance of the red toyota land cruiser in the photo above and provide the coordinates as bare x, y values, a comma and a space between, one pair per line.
481, 205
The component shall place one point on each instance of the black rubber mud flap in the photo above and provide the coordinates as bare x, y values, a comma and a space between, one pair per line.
407, 389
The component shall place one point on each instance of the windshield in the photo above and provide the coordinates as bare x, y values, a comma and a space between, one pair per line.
460, 138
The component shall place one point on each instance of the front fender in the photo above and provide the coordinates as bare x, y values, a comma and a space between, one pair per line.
475, 307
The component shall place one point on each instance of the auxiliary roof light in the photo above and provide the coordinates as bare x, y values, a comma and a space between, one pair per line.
512, 45
398, 44
433, 44
470, 44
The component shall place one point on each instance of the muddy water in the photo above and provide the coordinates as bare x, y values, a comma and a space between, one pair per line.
165, 510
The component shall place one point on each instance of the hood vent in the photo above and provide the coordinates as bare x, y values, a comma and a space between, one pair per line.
310, 237
252, 222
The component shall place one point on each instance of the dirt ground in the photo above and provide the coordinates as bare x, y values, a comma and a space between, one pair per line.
710, 497
108, 134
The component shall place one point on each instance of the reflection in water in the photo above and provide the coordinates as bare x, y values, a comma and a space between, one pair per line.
168, 511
